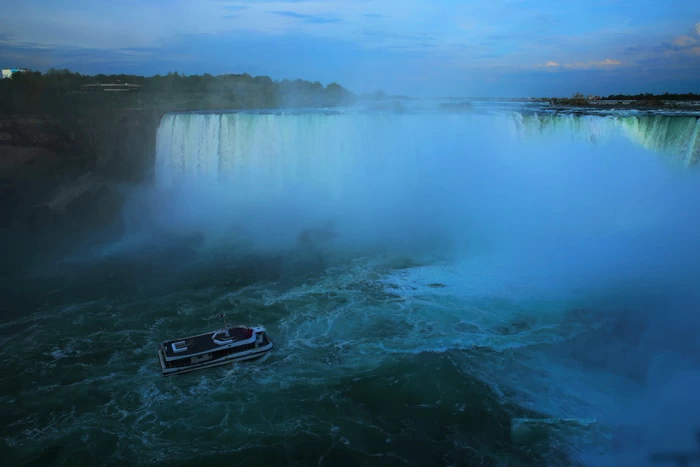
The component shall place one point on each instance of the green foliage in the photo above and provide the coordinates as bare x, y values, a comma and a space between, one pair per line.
652, 97
577, 99
60, 92
640, 100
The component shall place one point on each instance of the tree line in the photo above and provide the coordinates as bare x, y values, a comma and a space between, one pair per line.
654, 97
647, 99
61, 91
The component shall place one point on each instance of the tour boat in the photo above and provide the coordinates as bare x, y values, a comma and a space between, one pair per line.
226, 345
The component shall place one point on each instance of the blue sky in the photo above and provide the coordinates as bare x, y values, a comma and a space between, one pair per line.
480, 48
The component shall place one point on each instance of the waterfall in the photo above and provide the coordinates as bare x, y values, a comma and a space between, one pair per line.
531, 183
675, 137
263, 150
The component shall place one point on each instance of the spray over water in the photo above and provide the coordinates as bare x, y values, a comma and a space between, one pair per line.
592, 211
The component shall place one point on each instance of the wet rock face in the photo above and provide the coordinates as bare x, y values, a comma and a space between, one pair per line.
36, 155
121, 143
36, 132
64, 173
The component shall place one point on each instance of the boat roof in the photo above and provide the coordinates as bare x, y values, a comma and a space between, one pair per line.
203, 343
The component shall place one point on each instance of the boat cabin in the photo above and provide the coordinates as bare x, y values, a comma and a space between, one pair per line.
213, 348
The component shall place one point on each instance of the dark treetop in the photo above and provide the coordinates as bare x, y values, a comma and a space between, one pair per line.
60, 92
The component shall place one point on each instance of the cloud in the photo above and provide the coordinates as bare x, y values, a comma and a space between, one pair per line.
676, 56
607, 63
684, 41
601, 64
550, 65
314, 19
681, 52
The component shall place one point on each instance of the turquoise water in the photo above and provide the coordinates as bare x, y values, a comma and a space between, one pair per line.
475, 277
358, 374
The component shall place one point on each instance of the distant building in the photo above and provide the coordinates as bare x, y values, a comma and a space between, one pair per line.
8, 72
111, 87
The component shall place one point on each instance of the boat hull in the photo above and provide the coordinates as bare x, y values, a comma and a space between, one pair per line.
247, 355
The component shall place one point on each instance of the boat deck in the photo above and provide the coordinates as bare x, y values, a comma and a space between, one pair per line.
204, 342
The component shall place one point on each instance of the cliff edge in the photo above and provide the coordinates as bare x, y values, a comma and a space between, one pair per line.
67, 173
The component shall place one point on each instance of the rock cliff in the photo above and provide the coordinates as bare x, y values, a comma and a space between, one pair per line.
68, 173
